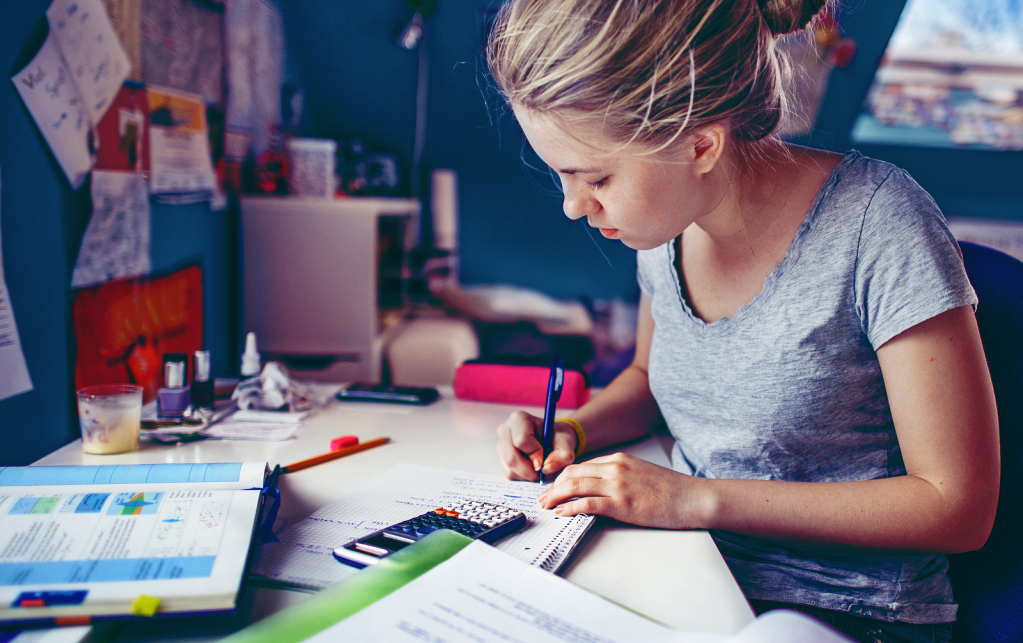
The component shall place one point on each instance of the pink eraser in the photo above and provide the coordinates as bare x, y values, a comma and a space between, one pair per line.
526, 385
343, 441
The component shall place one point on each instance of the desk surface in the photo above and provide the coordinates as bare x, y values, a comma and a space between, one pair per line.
675, 577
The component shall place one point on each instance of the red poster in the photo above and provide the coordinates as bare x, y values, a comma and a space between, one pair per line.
124, 132
123, 328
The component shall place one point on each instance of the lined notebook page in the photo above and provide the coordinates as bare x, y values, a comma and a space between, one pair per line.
303, 557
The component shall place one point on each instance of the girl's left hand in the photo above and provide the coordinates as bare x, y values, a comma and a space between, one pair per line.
626, 488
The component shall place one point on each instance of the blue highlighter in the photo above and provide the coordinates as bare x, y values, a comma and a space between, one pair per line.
554, 385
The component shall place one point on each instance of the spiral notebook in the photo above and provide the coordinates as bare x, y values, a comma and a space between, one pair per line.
303, 558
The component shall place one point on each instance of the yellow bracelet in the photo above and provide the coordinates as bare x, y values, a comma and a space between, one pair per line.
580, 434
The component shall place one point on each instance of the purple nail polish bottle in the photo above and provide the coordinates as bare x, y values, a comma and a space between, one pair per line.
173, 399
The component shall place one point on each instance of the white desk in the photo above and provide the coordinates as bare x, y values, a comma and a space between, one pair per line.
675, 577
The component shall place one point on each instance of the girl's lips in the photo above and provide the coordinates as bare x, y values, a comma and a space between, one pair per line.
609, 232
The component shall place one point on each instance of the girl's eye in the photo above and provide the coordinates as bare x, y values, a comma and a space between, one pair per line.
597, 184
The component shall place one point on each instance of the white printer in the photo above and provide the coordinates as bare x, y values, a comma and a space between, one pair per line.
324, 280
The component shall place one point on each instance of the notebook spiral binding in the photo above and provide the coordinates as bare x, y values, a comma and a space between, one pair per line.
551, 557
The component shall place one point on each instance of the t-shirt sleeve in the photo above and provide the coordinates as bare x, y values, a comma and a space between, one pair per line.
909, 267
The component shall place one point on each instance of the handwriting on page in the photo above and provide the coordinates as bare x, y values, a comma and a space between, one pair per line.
71, 81
92, 51
116, 241
14, 377
58, 109
304, 554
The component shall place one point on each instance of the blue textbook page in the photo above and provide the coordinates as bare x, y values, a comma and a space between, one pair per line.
218, 472
107, 534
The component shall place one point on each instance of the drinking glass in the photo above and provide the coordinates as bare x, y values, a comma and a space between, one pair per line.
111, 417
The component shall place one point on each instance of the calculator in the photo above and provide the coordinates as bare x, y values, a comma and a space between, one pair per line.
478, 520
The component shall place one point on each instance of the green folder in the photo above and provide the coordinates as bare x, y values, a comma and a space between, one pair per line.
340, 601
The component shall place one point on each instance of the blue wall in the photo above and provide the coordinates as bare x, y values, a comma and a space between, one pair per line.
37, 209
42, 222
358, 83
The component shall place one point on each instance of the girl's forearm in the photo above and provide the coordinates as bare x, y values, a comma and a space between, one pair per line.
904, 514
625, 410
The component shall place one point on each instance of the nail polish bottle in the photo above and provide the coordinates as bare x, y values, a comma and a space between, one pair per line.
250, 358
202, 381
173, 399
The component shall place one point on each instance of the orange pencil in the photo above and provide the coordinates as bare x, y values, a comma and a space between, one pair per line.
326, 457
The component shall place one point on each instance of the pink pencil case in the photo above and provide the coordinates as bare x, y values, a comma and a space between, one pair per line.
522, 385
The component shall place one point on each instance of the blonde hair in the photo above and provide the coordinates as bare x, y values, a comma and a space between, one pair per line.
651, 71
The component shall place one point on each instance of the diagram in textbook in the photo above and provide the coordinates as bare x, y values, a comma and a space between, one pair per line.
186, 526
210, 514
172, 522
134, 504
37, 506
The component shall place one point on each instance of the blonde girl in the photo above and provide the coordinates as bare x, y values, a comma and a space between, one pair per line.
806, 328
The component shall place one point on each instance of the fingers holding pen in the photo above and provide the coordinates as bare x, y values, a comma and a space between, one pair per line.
518, 450
563, 452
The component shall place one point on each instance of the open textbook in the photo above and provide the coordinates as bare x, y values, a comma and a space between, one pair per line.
449, 588
89, 540
303, 558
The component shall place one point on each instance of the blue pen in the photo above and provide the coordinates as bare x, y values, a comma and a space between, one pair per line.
554, 384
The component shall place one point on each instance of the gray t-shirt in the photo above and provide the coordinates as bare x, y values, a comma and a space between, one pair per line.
789, 388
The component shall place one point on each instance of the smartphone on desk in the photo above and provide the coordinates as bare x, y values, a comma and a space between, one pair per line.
386, 393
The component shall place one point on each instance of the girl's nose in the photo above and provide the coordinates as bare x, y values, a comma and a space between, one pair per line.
579, 204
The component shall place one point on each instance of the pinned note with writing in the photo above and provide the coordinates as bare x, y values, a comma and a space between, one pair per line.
116, 242
14, 378
72, 80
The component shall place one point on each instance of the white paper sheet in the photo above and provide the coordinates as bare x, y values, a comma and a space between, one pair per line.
260, 431
78, 634
14, 377
91, 50
304, 555
72, 80
179, 144
58, 109
482, 595
116, 243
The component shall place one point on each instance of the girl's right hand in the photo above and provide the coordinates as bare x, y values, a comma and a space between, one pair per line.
520, 447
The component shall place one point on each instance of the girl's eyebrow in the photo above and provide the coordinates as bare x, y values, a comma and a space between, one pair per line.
583, 170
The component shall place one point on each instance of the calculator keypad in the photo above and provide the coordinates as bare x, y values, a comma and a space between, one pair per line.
483, 521
468, 517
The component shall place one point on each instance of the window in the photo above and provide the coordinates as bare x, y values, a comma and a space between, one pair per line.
952, 76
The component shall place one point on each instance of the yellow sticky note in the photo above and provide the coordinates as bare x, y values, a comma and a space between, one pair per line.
145, 605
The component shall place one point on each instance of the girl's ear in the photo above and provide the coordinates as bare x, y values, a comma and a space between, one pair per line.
708, 146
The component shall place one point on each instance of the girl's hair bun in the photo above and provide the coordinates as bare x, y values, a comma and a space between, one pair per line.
787, 16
